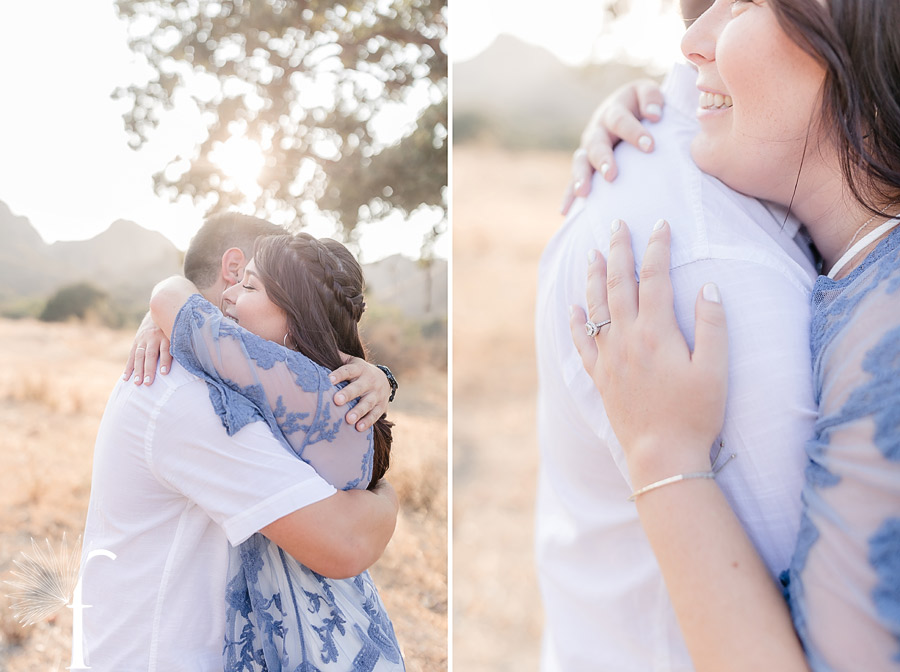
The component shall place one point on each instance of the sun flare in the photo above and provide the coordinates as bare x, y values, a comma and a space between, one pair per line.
241, 160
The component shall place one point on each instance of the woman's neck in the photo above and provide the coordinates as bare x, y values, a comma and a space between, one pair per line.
834, 218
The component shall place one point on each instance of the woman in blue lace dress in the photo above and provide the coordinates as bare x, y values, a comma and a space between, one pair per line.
799, 105
268, 357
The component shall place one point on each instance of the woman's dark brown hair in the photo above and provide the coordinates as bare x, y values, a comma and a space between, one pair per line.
318, 284
858, 43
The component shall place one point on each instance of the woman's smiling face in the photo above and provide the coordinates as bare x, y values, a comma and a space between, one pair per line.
248, 304
760, 98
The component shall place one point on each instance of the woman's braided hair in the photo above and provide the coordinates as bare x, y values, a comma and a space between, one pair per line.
319, 285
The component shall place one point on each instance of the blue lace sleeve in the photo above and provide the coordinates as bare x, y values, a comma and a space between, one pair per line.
252, 379
845, 575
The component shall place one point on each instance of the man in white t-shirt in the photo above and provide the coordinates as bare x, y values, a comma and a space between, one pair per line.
605, 601
170, 489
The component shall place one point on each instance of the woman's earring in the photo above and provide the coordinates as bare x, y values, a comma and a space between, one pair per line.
285, 343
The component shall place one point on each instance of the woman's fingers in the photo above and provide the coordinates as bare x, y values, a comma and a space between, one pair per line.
580, 184
595, 291
620, 122
586, 345
650, 100
655, 288
140, 352
711, 334
621, 286
600, 154
165, 356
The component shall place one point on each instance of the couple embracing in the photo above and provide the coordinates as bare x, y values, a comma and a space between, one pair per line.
237, 507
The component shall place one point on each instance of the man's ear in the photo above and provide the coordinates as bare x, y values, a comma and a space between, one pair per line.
233, 262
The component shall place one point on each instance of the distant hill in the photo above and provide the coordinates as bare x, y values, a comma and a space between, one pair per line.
521, 96
127, 260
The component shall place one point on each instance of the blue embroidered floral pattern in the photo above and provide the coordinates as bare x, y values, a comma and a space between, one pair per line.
280, 615
845, 575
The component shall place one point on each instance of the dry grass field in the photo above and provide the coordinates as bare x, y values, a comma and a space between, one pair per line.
54, 382
504, 211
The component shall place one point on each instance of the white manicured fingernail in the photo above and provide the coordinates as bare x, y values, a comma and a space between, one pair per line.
654, 110
577, 186
592, 256
137, 379
604, 169
163, 370
124, 376
644, 142
571, 311
146, 380
711, 293
616, 225
660, 223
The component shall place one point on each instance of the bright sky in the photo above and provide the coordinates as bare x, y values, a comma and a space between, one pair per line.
574, 30
64, 158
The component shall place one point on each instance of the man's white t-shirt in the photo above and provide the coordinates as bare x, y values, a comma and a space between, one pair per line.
170, 489
605, 602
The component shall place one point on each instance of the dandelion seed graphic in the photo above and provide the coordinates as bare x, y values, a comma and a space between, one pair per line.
45, 581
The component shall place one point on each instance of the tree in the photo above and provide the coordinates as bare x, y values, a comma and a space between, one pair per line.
81, 301
311, 82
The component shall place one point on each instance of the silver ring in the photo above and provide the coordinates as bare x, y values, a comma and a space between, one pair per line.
136, 349
593, 328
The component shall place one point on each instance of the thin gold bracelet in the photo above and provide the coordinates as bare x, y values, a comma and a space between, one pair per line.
684, 477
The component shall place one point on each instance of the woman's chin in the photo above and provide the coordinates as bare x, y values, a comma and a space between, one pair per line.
724, 165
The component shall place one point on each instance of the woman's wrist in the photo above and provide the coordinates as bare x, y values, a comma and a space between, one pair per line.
653, 459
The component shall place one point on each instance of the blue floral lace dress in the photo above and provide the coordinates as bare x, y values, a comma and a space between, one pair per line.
280, 615
845, 575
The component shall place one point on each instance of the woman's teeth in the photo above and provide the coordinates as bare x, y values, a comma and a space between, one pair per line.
714, 101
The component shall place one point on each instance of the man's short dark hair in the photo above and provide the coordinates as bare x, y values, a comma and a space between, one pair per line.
219, 233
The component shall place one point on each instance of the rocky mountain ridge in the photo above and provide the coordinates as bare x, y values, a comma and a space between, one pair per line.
126, 261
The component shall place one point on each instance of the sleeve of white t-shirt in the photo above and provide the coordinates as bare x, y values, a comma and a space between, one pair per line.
243, 482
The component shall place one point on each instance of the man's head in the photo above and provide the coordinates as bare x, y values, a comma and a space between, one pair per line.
217, 254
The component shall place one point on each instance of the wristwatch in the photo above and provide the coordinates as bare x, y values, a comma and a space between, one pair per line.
391, 380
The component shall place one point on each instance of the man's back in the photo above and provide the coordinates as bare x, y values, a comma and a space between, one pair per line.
170, 490
606, 605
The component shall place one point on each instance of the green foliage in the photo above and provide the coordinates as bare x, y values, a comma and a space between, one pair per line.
308, 81
81, 301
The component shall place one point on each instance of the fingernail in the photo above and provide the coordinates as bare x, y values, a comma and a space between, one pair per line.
711, 293
571, 311
146, 380
604, 169
352, 417
163, 370
332, 378
654, 110
124, 376
577, 186
592, 256
339, 398
137, 380
616, 225
659, 224
644, 142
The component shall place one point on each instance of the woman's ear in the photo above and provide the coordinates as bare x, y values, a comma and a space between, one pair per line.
233, 263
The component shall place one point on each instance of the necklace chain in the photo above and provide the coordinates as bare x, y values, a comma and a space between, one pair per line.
864, 225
